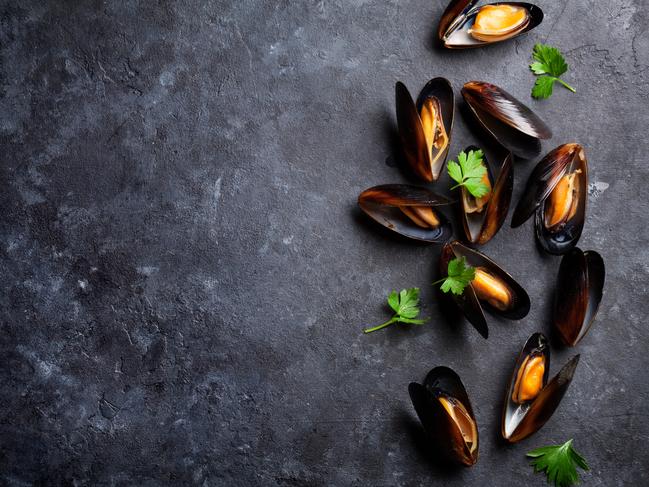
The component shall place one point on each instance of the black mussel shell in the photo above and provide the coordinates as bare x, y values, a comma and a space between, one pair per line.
480, 227
580, 285
561, 161
522, 420
459, 16
411, 131
512, 124
381, 203
439, 426
469, 303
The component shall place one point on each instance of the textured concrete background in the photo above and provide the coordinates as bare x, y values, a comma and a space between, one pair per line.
185, 275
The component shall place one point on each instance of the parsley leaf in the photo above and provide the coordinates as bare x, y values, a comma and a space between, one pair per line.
469, 172
459, 276
559, 462
550, 64
405, 305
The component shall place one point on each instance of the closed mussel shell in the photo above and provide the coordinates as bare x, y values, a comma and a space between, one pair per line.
580, 285
425, 127
408, 210
443, 407
512, 124
493, 289
480, 225
531, 399
557, 192
457, 29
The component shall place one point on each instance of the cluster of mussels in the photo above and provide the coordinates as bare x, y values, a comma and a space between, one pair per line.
555, 193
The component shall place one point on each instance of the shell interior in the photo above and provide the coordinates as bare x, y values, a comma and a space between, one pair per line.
445, 411
425, 128
544, 177
520, 305
456, 28
522, 420
393, 205
560, 218
481, 226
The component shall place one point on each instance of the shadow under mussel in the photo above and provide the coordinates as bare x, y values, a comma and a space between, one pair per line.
492, 288
408, 210
556, 192
445, 411
482, 217
464, 24
512, 124
531, 399
580, 285
425, 127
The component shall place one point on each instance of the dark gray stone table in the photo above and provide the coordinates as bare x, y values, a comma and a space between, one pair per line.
185, 275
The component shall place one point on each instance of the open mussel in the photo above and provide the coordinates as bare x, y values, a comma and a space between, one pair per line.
408, 210
482, 217
445, 411
492, 288
425, 127
531, 399
466, 25
580, 285
512, 124
557, 191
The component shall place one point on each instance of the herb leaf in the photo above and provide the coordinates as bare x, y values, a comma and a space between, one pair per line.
459, 276
469, 172
405, 305
550, 64
559, 462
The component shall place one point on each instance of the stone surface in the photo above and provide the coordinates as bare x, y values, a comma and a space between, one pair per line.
186, 275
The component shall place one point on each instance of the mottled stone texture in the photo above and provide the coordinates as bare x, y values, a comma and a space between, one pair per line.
185, 274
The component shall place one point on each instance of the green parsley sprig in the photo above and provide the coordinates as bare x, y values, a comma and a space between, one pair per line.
459, 276
469, 172
405, 305
548, 66
559, 462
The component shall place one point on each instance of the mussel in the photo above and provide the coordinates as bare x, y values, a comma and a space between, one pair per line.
465, 24
408, 210
445, 411
512, 124
531, 399
482, 217
580, 285
425, 127
492, 288
557, 191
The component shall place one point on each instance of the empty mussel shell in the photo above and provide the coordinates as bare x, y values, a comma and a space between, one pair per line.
425, 127
492, 288
445, 411
483, 217
531, 399
408, 210
506, 119
580, 284
466, 25
557, 191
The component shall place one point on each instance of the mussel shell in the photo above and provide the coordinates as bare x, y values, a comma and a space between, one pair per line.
580, 285
460, 15
565, 238
479, 229
512, 124
468, 302
411, 132
535, 414
381, 204
441, 429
